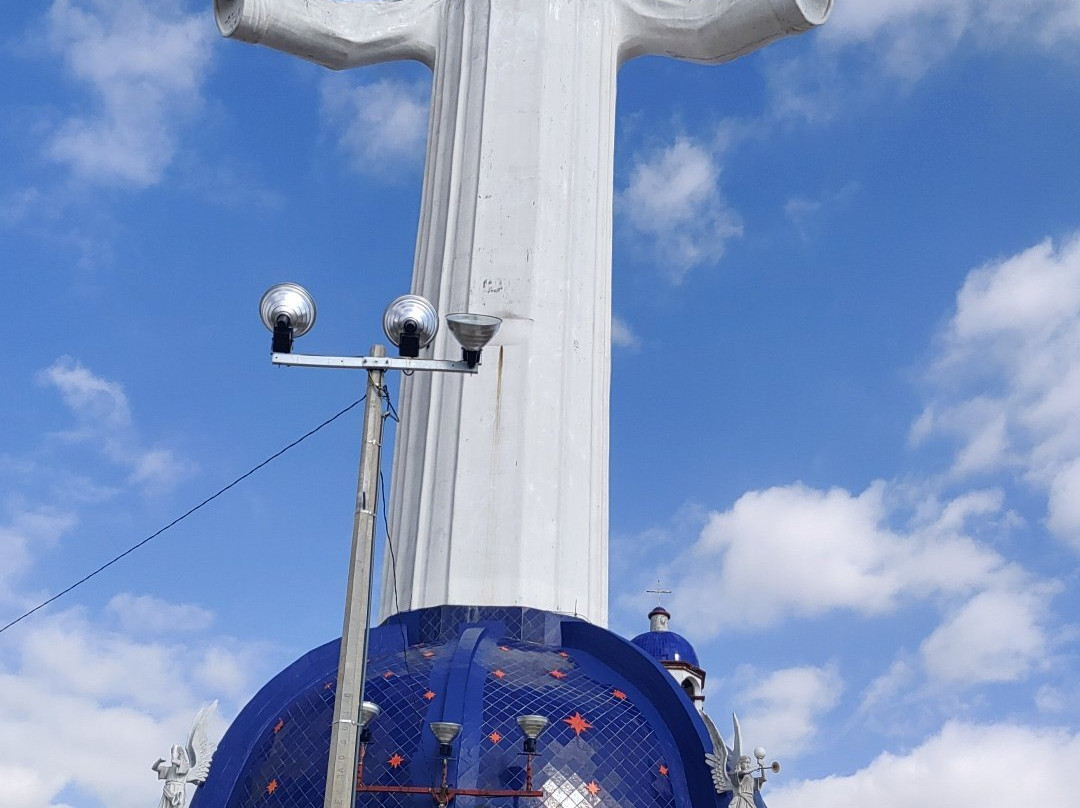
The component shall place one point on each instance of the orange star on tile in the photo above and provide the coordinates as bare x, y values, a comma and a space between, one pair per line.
593, 788
557, 674
504, 647
578, 723
428, 654
619, 695
328, 686
564, 655
499, 674
388, 675
495, 737
272, 786
429, 695
279, 725
663, 769
396, 761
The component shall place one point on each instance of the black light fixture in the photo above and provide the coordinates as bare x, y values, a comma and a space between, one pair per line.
445, 732
369, 711
532, 726
473, 332
410, 322
288, 310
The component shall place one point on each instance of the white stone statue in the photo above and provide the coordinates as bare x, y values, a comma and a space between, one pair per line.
734, 771
187, 764
500, 484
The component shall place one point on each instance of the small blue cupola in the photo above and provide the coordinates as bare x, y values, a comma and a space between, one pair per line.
674, 652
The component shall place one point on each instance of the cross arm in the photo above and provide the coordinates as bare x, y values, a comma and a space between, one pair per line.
712, 31
335, 34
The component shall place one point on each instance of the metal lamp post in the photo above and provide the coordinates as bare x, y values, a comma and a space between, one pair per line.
410, 322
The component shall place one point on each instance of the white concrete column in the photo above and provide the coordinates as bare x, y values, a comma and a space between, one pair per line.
500, 480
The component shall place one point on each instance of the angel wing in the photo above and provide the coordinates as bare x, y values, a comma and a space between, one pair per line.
736, 746
200, 749
717, 760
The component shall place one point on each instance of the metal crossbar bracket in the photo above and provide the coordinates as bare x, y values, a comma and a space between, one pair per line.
372, 363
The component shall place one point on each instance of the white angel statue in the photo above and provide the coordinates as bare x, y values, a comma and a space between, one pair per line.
735, 772
186, 764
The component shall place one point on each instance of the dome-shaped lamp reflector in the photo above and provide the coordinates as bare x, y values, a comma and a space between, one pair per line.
445, 732
473, 332
410, 322
288, 310
532, 726
369, 711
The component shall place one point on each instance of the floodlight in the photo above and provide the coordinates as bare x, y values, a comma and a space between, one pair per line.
369, 711
473, 332
445, 732
410, 322
288, 310
532, 726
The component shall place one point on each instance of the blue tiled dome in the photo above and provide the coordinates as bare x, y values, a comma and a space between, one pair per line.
667, 646
621, 733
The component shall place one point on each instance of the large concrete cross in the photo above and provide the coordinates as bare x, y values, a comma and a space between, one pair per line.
500, 487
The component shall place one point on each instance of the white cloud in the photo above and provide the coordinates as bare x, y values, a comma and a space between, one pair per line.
804, 212
749, 565
25, 788
884, 688
145, 64
749, 568
145, 614
913, 33
991, 765
1006, 381
89, 710
622, 336
26, 531
66, 656
997, 636
1050, 699
784, 707
156, 468
103, 413
674, 204
1063, 516
92, 399
871, 48
383, 125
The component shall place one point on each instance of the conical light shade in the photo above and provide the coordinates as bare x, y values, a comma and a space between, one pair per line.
532, 725
472, 331
369, 711
445, 731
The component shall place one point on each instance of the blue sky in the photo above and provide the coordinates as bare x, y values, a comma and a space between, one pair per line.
844, 403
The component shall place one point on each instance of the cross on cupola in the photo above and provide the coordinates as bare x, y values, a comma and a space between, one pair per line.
659, 616
659, 591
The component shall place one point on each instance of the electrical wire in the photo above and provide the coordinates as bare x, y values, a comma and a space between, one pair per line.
185, 515
392, 413
390, 405
389, 543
